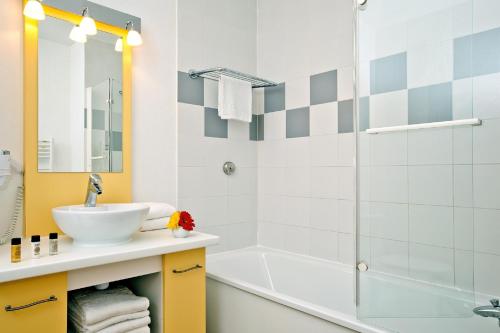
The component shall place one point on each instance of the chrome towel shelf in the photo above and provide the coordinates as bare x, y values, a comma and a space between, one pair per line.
440, 124
216, 72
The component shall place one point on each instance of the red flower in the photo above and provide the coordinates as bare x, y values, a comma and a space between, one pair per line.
186, 222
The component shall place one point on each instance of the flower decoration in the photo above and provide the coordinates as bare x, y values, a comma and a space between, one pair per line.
181, 219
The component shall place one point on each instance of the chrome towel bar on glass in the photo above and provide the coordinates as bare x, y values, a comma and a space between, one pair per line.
10, 308
216, 72
175, 271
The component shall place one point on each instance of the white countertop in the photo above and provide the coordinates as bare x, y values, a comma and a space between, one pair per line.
143, 244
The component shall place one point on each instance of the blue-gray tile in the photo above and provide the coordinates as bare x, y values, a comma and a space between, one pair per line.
98, 121
215, 127
364, 113
388, 74
297, 123
257, 128
274, 98
116, 141
477, 54
346, 117
323, 88
190, 91
430, 104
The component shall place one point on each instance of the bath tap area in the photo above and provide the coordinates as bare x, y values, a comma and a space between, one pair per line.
250, 166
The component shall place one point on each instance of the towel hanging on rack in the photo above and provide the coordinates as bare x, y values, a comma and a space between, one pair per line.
235, 99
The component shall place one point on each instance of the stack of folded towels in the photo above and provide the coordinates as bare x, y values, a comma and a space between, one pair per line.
158, 216
114, 310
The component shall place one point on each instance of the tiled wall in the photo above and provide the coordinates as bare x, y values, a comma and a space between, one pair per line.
430, 202
216, 34
305, 161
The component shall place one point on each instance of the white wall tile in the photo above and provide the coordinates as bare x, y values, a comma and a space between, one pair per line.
346, 216
432, 225
347, 148
430, 146
486, 15
464, 228
487, 231
297, 152
323, 119
430, 64
434, 27
464, 270
190, 181
462, 145
347, 179
238, 130
389, 109
271, 153
215, 182
486, 138
485, 96
323, 244
241, 235
298, 181
241, 209
242, 181
297, 93
214, 211
432, 264
345, 84
325, 182
275, 125
388, 220
486, 186
271, 181
462, 185
346, 248
486, 272
297, 239
462, 19
462, 98
324, 214
271, 235
323, 150
431, 185
389, 184
242, 153
297, 211
272, 208
390, 256
389, 149
390, 39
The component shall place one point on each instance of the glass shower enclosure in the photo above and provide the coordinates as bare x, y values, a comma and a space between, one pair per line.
428, 114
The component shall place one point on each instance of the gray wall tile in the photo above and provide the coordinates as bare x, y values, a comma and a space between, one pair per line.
430, 104
477, 54
215, 127
364, 113
345, 117
190, 91
257, 128
98, 121
274, 98
323, 88
388, 74
297, 122
116, 141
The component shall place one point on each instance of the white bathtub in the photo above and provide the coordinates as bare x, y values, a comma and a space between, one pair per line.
263, 290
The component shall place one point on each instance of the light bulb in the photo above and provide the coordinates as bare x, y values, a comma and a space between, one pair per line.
88, 26
134, 38
34, 9
119, 45
78, 35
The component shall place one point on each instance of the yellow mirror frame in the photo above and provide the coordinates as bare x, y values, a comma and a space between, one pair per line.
44, 191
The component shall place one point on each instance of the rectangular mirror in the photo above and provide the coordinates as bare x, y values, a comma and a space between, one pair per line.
80, 104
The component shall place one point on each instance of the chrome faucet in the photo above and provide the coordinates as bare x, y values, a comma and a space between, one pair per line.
94, 189
492, 310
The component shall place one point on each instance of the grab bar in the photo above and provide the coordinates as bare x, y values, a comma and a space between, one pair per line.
439, 124
10, 308
175, 271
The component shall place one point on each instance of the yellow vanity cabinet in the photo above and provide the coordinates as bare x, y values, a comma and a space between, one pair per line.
34, 305
184, 292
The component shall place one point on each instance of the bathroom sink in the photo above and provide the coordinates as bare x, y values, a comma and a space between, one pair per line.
103, 225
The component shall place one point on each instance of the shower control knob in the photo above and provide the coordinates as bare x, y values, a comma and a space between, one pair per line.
229, 168
362, 266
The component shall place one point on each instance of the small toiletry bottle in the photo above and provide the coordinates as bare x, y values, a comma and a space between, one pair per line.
35, 246
15, 250
53, 244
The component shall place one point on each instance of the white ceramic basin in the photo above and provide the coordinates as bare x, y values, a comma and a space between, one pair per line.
107, 224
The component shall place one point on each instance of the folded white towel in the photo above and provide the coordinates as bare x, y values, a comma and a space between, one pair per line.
158, 210
155, 224
127, 326
235, 99
144, 329
82, 328
92, 306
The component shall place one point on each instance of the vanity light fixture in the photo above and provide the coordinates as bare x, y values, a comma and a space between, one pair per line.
78, 35
119, 45
34, 9
87, 24
133, 37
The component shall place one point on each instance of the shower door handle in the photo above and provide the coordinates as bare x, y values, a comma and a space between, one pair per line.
362, 266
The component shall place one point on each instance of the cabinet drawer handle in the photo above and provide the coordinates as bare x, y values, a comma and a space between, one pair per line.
175, 271
10, 308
